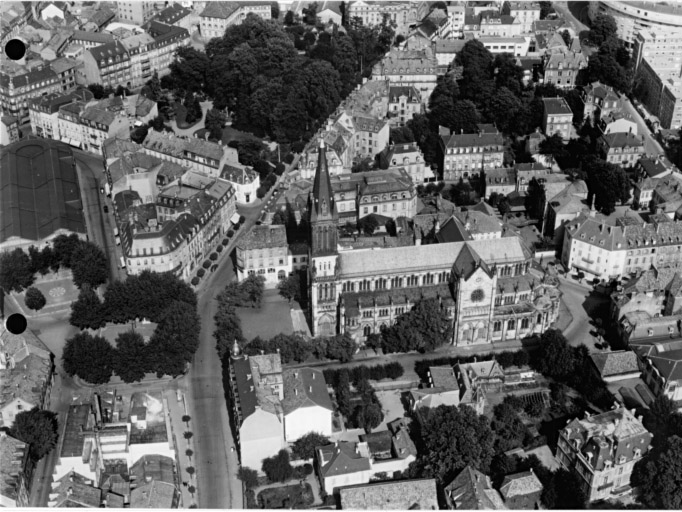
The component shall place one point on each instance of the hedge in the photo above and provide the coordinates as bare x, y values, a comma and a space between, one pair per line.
377, 372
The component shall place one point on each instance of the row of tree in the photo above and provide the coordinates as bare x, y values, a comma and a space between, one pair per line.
294, 348
87, 262
392, 371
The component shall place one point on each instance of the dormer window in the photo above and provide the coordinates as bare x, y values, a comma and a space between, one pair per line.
650, 332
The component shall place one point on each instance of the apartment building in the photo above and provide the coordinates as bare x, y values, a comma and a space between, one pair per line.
602, 450
403, 14
17, 89
623, 149
403, 104
417, 68
108, 65
176, 234
135, 12
43, 111
526, 13
557, 118
660, 359
89, 40
177, 15
9, 130
371, 135
200, 155
264, 251
87, 126
599, 100
16, 472
15, 16
217, 16
499, 25
562, 67
409, 157
518, 46
466, 154
167, 39
607, 249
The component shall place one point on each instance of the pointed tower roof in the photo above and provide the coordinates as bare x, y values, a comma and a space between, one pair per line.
323, 206
467, 262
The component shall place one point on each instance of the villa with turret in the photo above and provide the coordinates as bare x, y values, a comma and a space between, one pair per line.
485, 284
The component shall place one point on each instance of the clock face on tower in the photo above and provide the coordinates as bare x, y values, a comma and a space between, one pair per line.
477, 295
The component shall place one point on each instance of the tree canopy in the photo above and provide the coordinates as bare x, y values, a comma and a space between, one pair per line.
278, 468
608, 183
89, 357
131, 360
39, 429
34, 299
15, 271
425, 327
304, 447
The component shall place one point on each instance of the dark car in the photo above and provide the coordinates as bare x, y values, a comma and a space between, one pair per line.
106, 209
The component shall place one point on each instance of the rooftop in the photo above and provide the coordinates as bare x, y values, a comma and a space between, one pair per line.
610, 364
401, 495
472, 490
556, 106
262, 237
13, 454
305, 387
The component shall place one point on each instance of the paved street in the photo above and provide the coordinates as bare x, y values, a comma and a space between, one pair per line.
651, 145
562, 8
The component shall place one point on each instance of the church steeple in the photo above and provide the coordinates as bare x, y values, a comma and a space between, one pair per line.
323, 206
324, 218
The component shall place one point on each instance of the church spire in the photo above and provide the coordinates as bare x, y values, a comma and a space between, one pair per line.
323, 206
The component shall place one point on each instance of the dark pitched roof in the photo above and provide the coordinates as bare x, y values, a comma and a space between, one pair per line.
464, 140
109, 50
556, 106
322, 193
520, 484
621, 140
305, 387
220, 9
95, 37
467, 262
341, 458
39, 192
615, 363
400, 495
472, 490
172, 14
245, 388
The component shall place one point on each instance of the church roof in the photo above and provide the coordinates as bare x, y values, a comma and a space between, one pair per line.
468, 262
322, 194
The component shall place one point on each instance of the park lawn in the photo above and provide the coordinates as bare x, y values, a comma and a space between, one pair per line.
273, 317
290, 496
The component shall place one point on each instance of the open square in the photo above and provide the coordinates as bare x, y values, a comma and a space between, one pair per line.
59, 294
273, 317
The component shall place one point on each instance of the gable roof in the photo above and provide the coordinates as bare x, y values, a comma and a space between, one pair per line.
341, 458
305, 387
467, 262
472, 490
520, 484
155, 494
401, 495
615, 363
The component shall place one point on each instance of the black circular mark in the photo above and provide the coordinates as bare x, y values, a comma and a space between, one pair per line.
15, 49
16, 323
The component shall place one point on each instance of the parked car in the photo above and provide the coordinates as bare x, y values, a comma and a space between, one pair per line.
106, 209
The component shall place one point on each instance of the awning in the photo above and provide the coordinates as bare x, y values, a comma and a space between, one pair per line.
235, 219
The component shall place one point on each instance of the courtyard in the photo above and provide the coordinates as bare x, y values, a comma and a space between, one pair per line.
59, 292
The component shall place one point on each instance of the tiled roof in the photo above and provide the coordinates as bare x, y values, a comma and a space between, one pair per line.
98, 115
72, 438
449, 45
396, 296
655, 166
556, 106
238, 173
261, 237
176, 146
665, 355
155, 494
34, 76
568, 60
443, 377
107, 50
172, 14
407, 62
621, 140
95, 37
341, 458
616, 363
467, 140
305, 387
156, 467
39, 191
520, 484
75, 491
13, 457
472, 490
401, 495
220, 9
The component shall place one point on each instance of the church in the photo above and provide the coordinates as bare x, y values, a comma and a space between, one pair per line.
484, 284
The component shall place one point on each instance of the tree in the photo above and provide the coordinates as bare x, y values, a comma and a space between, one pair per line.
97, 90
190, 470
310, 14
552, 145
608, 183
289, 18
508, 73
342, 393
508, 428
228, 329
175, 339
535, 199
304, 447
89, 357
659, 477
368, 224
253, 287
341, 347
603, 27
368, 416
566, 36
131, 357
40, 260
453, 438
563, 490
189, 69
401, 135
37, 428
465, 117
122, 91
556, 358
424, 328
290, 288
278, 468
247, 475
545, 9
89, 265
188, 435
274, 10
15, 271
185, 419
503, 205
189, 452
605, 66
139, 134
442, 100
34, 299
157, 123
152, 88
215, 119
88, 312
373, 341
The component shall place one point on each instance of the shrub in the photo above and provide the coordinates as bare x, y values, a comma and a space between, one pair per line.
226, 241
213, 256
308, 469
206, 264
242, 219
230, 234
34, 299
201, 272
195, 281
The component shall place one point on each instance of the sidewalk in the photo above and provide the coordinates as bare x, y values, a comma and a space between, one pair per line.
176, 410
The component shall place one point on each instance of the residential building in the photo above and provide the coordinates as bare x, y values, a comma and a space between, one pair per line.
472, 490
516, 45
306, 403
615, 366
446, 50
606, 249
500, 181
623, 149
528, 171
468, 225
200, 155
521, 491
617, 122
602, 450
648, 291
359, 291
75, 491
403, 104
403, 14
643, 192
661, 364
526, 13
387, 193
190, 217
217, 16
599, 100
16, 471
557, 117
399, 495
563, 207
90, 40
447, 386
417, 68
108, 64
456, 14
342, 464
167, 39
655, 167
17, 89
134, 12
87, 127
263, 251
243, 179
329, 11
667, 196
371, 135
466, 154
409, 157
43, 174
635, 17
177, 15
499, 25
15, 16
9, 130
27, 369
562, 67
113, 429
